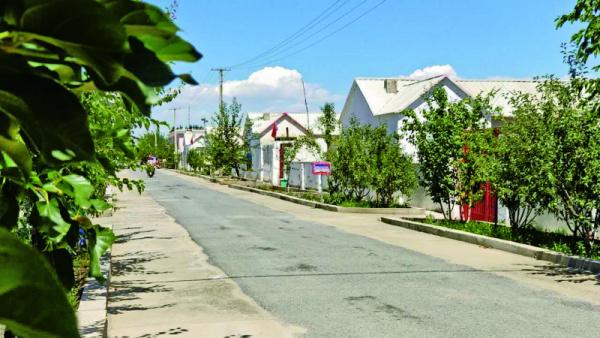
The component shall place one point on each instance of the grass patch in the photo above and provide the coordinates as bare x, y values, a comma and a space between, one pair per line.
556, 240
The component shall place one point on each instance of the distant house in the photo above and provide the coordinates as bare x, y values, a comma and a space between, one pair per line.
382, 101
379, 101
187, 139
271, 133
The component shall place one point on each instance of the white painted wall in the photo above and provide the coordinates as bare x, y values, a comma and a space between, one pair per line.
357, 106
310, 181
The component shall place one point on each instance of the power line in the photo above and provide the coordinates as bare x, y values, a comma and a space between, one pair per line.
324, 37
327, 25
309, 26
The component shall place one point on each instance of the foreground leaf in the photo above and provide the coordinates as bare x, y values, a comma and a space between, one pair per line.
100, 239
33, 301
49, 115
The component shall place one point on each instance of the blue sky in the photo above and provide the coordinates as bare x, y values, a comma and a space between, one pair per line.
477, 39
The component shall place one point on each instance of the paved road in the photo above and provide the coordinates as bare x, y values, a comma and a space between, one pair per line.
336, 284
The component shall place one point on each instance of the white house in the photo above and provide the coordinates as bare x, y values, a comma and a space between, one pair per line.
272, 133
186, 139
379, 101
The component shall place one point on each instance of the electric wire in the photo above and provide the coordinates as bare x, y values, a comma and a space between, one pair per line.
322, 38
327, 25
309, 26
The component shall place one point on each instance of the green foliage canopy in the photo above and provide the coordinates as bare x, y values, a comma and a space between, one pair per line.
365, 159
225, 145
450, 146
59, 141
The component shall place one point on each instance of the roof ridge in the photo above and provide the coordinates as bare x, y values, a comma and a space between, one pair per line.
428, 79
497, 80
384, 78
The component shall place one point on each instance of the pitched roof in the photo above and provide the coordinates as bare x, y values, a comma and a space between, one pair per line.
409, 90
263, 121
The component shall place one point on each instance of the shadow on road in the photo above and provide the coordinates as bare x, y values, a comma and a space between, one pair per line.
563, 274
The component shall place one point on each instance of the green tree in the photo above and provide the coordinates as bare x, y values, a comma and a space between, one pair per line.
586, 39
53, 134
152, 143
350, 173
329, 124
571, 116
523, 157
248, 137
366, 159
442, 134
198, 159
225, 144
392, 171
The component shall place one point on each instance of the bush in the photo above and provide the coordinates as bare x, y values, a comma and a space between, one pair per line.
367, 160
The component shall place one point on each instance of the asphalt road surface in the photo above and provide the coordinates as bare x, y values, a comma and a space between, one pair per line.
336, 284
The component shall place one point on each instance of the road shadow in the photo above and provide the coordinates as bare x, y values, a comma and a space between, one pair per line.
563, 274
133, 263
122, 294
122, 238
93, 329
170, 332
115, 310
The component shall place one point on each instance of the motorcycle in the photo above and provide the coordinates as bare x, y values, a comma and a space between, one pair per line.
151, 165
150, 170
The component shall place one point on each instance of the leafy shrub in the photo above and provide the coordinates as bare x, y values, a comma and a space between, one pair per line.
364, 160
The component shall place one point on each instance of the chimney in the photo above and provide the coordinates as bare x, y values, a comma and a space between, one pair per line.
391, 86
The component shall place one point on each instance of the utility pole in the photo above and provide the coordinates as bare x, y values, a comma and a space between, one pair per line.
175, 135
155, 138
305, 105
189, 120
221, 70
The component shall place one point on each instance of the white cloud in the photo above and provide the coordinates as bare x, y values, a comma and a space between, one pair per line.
268, 89
432, 71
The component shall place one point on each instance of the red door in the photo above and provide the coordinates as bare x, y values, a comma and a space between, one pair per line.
484, 210
281, 158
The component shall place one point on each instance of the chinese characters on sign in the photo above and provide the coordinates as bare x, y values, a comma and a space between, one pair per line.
321, 168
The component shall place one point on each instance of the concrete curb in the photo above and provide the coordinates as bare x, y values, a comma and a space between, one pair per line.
573, 262
92, 315
406, 212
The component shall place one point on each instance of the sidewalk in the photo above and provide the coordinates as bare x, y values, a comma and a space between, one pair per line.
162, 284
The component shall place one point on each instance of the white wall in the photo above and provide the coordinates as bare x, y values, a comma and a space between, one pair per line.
310, 181
356, 106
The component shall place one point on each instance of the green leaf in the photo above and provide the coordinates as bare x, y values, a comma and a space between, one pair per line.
51, 211
100, 205
16, 151
82, 189
50, 116
33, 302
63, 156
155, 29
100, 239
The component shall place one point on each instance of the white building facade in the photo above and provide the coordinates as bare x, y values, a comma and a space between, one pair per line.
272, 133
383, 101
379, 101
185, 140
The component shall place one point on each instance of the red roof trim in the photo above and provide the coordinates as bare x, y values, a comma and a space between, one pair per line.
281, 117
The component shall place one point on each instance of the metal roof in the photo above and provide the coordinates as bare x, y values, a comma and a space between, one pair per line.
409, 90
